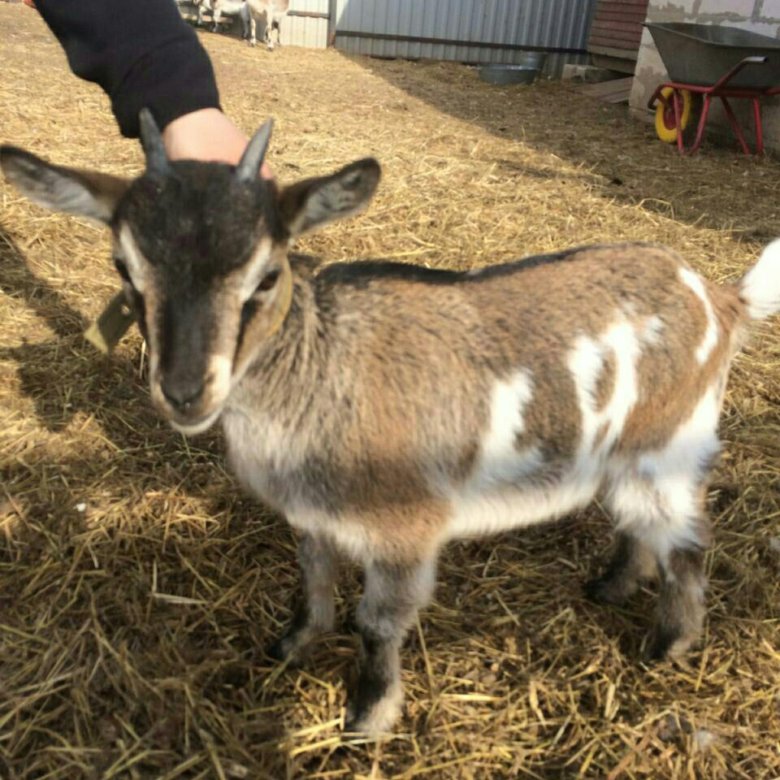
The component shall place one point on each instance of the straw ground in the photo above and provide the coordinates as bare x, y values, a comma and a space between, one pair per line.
138, 587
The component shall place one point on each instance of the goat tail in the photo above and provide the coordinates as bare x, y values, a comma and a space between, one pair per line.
760, 286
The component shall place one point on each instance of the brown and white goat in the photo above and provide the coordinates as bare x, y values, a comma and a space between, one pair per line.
385, 409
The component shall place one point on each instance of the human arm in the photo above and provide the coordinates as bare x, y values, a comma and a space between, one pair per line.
142, 53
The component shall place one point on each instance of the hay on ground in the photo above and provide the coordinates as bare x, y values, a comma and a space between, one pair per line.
138, 587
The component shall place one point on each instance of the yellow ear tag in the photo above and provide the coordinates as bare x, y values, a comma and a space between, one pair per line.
283, 303
104, 334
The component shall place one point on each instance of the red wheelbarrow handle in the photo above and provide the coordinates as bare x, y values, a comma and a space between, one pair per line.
719, 84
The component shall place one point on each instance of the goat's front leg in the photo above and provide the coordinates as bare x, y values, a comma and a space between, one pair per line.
316, 611
252, 30
276, 27
393, 594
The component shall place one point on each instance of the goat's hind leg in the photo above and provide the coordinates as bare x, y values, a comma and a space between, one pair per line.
664, 514
269, 44
316, 612
392, 596
632, 561
681, 604
277, 27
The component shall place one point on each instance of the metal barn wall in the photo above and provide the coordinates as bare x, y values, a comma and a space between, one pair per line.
388, 29
307, 24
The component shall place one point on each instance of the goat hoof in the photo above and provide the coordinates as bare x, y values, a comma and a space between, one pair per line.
668, 645
283, 650
276, 650
599, 591
378, 717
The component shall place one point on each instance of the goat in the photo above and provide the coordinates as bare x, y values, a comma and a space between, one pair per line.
385, 409
237, 8
201, 6
270, 13
220, 8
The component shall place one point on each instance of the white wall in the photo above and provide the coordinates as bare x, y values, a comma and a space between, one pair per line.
760, 16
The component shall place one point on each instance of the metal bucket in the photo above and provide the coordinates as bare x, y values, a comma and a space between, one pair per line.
523, 72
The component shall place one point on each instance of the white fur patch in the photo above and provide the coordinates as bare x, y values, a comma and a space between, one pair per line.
491, 512
349, 535
497, 495
220, 368
252, 274
196, 428
760, 287
710, 339
499, 460
383, 715
587, 362
654, 327
258, 444
656, 498
502, 493
137, 265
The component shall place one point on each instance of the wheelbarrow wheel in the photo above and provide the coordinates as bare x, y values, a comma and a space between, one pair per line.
665, 126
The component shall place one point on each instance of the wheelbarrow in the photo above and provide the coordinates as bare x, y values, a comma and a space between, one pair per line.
706, 62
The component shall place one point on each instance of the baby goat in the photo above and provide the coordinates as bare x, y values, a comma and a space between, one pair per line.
385, 409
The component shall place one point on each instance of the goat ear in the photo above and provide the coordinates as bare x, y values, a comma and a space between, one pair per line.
314, 202
84, 193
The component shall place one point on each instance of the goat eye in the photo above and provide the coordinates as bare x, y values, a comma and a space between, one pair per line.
268, 281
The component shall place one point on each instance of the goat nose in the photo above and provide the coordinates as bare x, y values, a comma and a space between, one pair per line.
182, 395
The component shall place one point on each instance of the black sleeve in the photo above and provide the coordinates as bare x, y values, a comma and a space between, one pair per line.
141, 52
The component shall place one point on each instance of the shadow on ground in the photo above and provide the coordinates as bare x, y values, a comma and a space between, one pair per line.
110, 622
616, 153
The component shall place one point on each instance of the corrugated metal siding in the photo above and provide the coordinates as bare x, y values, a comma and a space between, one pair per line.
559, 26
304, 30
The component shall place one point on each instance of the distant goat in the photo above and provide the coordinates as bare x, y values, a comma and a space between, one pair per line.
386, 409
220, 8
270, 13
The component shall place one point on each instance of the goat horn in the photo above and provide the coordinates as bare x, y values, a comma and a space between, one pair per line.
248, 168
151, 140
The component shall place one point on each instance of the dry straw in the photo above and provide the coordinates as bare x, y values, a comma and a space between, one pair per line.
138, 587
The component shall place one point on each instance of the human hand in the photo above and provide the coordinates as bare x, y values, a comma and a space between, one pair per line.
207, 135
